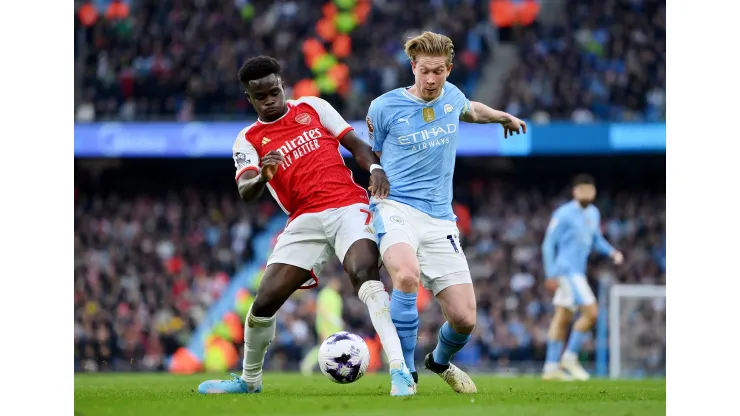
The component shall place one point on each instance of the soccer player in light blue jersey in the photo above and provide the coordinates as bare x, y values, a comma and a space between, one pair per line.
414, 130
574, 231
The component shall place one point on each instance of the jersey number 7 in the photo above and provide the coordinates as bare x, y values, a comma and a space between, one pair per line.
369, 216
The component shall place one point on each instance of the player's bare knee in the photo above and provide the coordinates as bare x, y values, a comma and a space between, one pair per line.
406, 280
562, 317
461, 316
558, 329
463, 322
263, 307
590, 312
361, 263
362, 274
560, 323
401, 262
405, 277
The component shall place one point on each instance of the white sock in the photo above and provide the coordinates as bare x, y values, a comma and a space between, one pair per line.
551, 367
569, 356
258, 334
372, 293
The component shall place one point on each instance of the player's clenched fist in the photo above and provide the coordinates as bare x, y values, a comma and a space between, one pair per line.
270, 163
379, 185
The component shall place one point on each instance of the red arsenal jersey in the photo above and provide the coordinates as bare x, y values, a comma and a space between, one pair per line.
313, 177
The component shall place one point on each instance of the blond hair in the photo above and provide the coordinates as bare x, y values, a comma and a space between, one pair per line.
430, 44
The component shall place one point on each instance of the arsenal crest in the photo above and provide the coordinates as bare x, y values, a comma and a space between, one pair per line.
303, 118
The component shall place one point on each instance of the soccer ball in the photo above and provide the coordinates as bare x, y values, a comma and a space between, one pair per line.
344, 357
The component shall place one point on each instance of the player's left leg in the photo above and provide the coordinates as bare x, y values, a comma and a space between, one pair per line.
445, 272
358, 251
300, 248
278, 283
586, 301
458, 305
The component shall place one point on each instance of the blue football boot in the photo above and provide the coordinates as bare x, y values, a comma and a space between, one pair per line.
233, 386
402, 384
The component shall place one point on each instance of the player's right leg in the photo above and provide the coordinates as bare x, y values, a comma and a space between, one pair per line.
356, 247
299, 249
398, 247
583, 298
556, 336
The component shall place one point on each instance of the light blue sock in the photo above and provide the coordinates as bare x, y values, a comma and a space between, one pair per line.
448, 343
554, 350
405, 317
577, 338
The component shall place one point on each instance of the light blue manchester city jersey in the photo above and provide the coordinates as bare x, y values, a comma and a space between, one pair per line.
418, 141
573, 233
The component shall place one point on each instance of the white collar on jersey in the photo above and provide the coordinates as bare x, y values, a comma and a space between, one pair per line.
419, 100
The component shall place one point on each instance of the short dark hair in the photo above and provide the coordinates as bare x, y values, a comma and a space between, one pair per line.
258, 67
583, 179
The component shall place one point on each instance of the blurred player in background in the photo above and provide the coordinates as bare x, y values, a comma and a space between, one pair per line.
574, 231
414, 131
328, 320
293, 151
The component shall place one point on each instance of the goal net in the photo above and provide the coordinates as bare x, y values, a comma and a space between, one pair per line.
637, 332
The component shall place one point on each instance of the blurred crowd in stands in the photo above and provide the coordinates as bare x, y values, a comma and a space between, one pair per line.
608, 62
148, 266
178, 59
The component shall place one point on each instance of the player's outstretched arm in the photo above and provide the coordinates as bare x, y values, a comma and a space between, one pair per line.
482, 114
251, 183
368, 160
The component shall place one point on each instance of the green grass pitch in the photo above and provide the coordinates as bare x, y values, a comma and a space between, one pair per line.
293, 394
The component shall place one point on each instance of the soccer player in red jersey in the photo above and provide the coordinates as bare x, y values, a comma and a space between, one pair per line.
293, 151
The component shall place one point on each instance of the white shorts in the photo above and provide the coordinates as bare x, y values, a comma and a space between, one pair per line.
573, 291
436, 242
310, 240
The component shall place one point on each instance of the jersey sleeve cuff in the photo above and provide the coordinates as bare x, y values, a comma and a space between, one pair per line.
344, 132
238, 174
